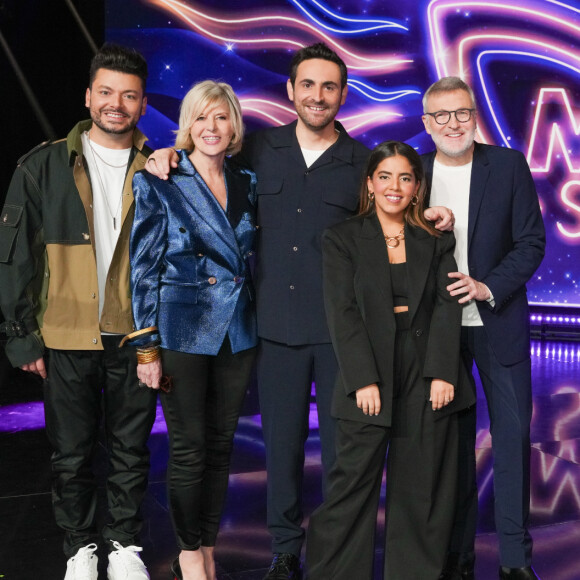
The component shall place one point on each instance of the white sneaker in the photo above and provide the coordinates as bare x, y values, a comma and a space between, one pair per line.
125, 563
83, 565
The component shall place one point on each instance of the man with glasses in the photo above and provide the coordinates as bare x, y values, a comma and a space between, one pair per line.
500, 244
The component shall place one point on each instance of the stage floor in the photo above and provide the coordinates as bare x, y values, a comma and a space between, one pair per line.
30, 544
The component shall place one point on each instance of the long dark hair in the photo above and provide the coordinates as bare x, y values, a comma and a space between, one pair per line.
414, 213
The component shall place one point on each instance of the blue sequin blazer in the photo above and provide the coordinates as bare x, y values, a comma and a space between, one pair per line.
190, 275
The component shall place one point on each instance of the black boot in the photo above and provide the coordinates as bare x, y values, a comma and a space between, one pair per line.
284, 567
526, 573
458, 567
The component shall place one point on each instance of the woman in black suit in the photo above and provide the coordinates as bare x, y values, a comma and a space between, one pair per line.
395, 330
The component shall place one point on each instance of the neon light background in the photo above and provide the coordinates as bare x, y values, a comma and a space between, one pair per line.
521, 57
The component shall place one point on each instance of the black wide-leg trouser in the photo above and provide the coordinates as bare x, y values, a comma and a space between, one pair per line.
421, 486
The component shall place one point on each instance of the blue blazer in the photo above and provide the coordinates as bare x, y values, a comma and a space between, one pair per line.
189, 259
506, 241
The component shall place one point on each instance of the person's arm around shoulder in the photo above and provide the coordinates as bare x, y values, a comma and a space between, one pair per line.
161, 162
441, 216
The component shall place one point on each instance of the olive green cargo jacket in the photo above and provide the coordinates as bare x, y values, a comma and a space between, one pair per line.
48, 271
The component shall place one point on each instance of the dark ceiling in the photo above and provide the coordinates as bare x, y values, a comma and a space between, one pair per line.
43, 39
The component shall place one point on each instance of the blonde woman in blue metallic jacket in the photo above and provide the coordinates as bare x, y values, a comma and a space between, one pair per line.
193, 297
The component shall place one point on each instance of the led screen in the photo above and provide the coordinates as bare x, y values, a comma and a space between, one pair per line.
522, 59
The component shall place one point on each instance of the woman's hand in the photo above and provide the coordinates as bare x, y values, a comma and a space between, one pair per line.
150, 373
368, 399
442, 394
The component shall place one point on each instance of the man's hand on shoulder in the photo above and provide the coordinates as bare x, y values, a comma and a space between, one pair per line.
37, 367
442, 216
161, 162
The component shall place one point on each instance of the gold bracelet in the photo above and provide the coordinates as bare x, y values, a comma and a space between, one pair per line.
146, 357
148, 349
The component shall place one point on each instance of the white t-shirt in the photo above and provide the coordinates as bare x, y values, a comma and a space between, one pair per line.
311, 155
107, 169
450, 188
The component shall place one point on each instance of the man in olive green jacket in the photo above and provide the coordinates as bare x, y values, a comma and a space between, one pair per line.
64, 292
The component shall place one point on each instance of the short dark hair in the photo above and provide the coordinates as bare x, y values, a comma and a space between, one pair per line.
414, 211
318, 50
119, 58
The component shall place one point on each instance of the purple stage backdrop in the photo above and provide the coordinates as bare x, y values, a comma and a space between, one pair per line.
522, 57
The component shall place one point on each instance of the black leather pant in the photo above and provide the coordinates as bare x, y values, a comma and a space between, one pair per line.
82, 387
202, 414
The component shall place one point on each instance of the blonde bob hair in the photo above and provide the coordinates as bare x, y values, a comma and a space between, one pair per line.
201, 96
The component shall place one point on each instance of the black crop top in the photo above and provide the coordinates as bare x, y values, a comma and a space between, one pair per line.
399, 284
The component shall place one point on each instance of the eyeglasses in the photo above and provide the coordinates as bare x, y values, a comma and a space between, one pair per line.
443, 117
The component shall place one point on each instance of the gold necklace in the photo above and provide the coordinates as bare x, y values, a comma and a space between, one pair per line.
394, 241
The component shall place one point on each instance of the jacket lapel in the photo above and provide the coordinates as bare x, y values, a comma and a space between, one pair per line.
479, 177
238, 185
204, 205
419, 247
374, 251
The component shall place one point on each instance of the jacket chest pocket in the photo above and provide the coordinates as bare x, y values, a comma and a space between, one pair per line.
269, 201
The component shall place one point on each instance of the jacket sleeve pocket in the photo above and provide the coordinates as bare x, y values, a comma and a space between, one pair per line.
9, 221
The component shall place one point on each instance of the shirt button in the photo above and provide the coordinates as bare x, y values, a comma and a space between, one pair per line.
291, 287
419, 332
299, 210
93, 295
295, 248
212, 280
95, 341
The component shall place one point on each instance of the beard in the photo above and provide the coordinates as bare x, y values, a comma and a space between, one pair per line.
454, 150
113, 128
313, 121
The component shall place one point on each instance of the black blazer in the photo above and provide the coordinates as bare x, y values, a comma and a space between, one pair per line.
359, 308
506, 241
